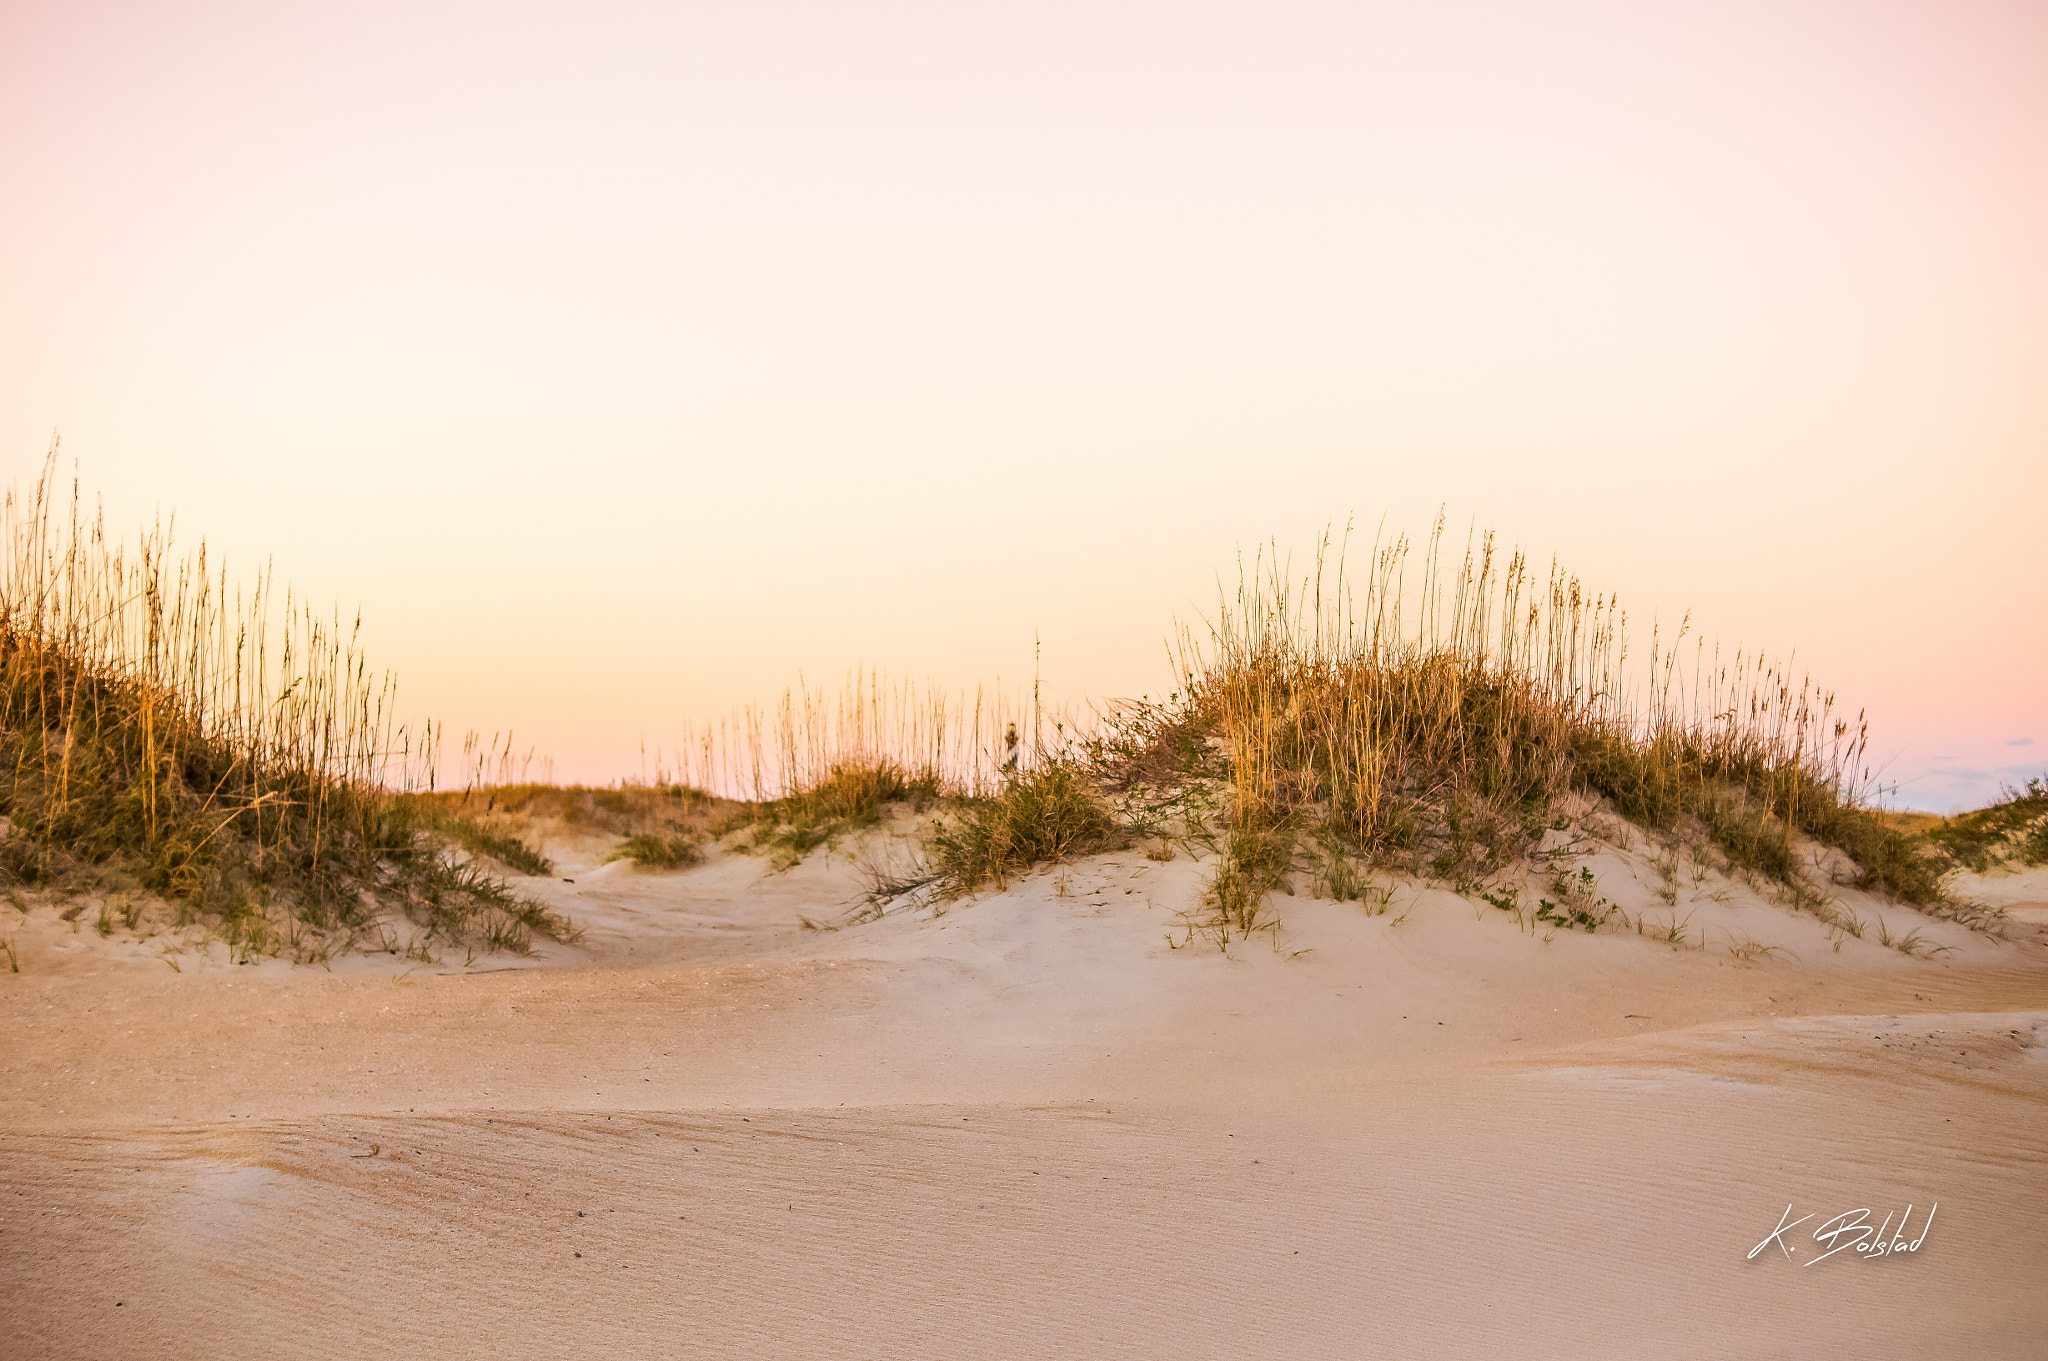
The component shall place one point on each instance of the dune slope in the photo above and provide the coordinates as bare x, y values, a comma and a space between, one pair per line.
1027, 1125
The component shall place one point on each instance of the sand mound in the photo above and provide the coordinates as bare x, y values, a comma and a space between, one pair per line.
1036, 1122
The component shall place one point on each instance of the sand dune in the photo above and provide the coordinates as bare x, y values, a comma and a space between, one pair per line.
2022, 895
1025, 1126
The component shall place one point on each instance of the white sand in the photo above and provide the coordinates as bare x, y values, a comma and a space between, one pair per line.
1027, 1127
2023, 895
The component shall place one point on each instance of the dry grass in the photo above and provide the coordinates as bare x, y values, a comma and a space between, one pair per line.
847, 796
1437, 730
509, 822
482, 838
164, 734
811, 743
658, 852
816, 767
1440, 728
1907, 823
2010, 832
1050, 813
167, 732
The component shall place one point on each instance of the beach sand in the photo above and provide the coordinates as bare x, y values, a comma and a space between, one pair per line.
1028, 1126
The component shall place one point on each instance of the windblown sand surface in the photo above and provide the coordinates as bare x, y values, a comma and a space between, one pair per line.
1028, 1127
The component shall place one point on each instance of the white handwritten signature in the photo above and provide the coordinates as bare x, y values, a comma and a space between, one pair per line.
1855, 1227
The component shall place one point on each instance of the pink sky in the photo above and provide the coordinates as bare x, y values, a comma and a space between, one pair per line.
622, 361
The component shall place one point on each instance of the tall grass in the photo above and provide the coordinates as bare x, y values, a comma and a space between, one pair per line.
950, 742
817, 765
1438, 725
1436, 722
211, 744
234, 753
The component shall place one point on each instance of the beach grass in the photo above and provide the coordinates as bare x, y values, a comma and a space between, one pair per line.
1435, 723
1045, 815
1439, 723
167, 731
2013, 831
171, 735
656, 851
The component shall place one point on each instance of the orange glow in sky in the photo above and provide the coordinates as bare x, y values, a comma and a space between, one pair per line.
623, 360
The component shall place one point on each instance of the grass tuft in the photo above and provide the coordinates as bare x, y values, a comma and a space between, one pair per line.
1047, 814
480, 838
658, 852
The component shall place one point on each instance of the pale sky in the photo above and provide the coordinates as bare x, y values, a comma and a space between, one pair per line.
622, 361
